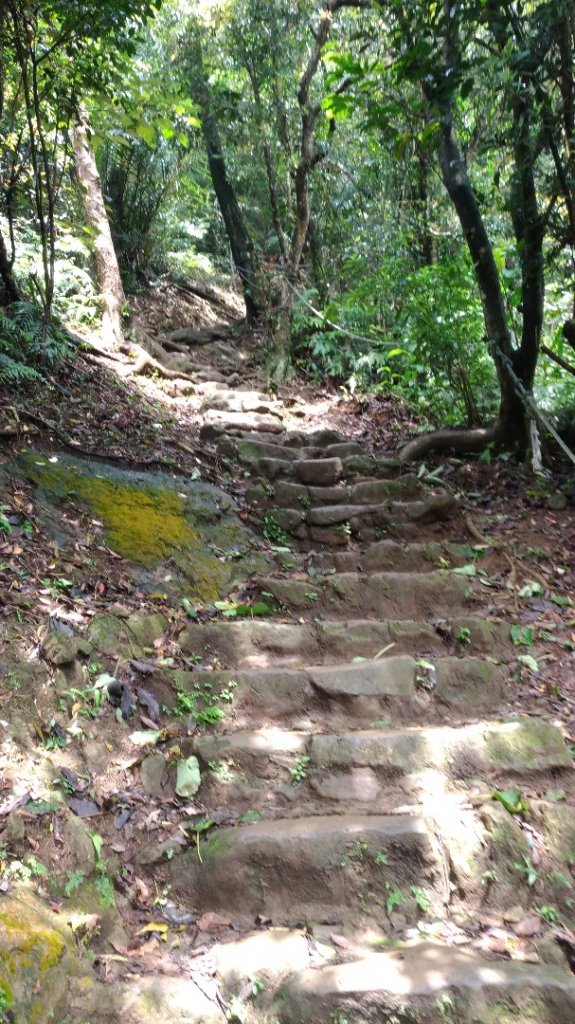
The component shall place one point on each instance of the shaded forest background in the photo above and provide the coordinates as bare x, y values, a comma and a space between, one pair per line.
390, 185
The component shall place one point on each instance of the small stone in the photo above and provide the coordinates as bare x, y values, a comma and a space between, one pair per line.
153, 775
513, 915
59, 649
528, 927
320, 472
557, 501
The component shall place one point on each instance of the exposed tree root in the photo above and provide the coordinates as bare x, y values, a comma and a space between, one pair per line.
145, 360
452, 442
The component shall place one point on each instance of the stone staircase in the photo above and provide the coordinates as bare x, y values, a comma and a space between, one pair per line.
361, 862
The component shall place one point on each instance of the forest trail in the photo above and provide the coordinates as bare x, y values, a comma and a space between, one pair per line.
377, 836
369, 734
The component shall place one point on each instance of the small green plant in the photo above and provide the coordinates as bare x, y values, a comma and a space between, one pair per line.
103, 882
381, 857
445, 1007
5, 525
394, 899
305, 501
521, 636
73, 883
5, 1000
299, 772
526, 869
12, 682
421, 898
548, 913
489, 877
258, 986
463, 635
224, 770
59, 585
273, 532
311, 595
189, 703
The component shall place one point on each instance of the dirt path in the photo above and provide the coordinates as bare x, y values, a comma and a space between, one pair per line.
377, 836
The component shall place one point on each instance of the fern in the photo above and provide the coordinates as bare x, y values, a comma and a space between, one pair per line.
14, 372
26, 345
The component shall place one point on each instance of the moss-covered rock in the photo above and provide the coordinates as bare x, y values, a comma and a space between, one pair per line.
150, 519
38, 962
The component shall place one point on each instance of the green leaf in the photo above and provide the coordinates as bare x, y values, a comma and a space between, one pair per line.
260, 608
97, 843
189, 608
528, 661
142, 738
465, 570
41, 807
521, 635
145, 132
188, 777
511, 800
530, 589
560, 599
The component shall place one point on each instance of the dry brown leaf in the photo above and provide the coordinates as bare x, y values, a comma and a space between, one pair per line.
213, 923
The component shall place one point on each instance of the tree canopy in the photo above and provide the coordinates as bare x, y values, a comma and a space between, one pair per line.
390, 184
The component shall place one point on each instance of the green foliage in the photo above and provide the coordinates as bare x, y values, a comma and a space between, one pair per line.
418, 332
27, 343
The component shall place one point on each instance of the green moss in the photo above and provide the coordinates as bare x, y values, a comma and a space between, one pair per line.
148, 523
22, 936
535, 744
144, 524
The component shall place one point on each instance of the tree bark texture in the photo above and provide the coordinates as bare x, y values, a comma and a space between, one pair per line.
107, 270
241, 245
9, 290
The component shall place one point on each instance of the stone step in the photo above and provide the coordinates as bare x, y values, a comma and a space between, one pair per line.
261, 643
274, 458
288, 494
335, 526
242, 402
481, 749
519, 745
381, 594
427, 983
332, 869
395, 686
218, 421
385, 555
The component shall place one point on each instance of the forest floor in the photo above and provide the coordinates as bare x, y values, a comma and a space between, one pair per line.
505, 537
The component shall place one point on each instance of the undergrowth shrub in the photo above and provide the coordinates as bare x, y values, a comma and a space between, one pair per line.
28, 346
416, 332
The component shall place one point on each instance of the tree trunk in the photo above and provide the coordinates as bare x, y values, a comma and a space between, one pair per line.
107, 270
9, 290
241, 245
511, 426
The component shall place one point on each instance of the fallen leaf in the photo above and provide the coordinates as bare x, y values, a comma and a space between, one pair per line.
213, 923
84, 808
153, 926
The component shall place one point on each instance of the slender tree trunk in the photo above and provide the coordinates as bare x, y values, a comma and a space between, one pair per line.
241, 245
9, 290
107, 270
512, 424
